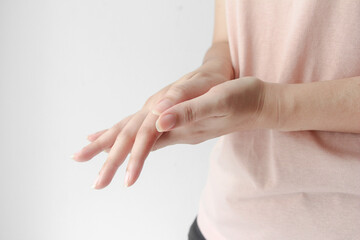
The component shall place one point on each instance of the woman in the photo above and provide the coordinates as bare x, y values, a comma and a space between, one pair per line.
280, 86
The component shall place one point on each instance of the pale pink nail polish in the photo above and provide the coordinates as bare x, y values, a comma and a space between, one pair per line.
96, 182
127, 178
166, 122
74, 156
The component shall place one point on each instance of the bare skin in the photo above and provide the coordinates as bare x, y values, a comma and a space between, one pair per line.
208, 102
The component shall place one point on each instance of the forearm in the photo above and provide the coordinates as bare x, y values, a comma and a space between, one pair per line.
217, 59
332, 105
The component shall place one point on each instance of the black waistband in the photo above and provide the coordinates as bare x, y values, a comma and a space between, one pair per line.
194, 232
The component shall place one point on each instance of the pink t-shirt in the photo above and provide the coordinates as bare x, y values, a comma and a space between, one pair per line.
273, 185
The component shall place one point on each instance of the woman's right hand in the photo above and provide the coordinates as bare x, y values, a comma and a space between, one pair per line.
137, 132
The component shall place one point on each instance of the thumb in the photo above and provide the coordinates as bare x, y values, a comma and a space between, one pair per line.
204, 106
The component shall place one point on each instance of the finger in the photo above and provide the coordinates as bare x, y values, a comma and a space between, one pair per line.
145, 139
196, 85
168, 138
206, 105
94, 136
192, 133
105, 141
119, 151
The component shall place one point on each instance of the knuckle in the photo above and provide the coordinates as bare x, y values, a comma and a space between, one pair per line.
202, 75
98, 143
149, 102
178, 91
189, 114
125, 134
187, 77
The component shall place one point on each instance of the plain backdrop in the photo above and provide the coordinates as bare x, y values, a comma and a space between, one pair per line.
69, 68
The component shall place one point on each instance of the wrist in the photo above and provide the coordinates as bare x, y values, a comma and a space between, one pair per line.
218, 66
277, 106
217, 59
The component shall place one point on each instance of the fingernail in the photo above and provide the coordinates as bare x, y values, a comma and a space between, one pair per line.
167, 122
96, 182
127, 177
162, 106
74, 156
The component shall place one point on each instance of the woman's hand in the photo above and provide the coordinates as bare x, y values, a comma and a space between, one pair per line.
241, 104
137, 132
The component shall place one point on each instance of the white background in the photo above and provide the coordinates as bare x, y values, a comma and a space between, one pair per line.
69, 68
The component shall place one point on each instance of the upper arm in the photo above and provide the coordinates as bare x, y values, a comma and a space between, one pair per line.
220, 28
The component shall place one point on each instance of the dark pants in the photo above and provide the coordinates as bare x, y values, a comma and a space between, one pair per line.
194, 232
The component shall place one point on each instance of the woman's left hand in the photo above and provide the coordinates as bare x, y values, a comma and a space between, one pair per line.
241, 104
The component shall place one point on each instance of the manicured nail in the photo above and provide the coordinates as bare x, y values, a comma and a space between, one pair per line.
127, 177
167, 122
162, 106
74, 156
96, 182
